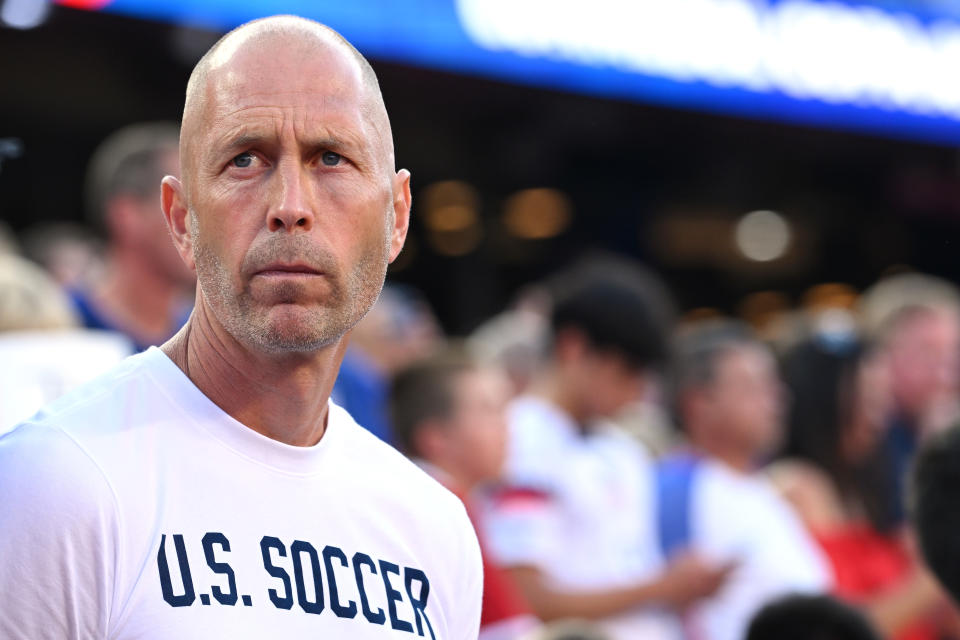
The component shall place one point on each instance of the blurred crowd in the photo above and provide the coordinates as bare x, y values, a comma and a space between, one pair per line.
632, 472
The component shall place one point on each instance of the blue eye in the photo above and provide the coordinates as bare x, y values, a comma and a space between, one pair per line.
330, 158
243, 160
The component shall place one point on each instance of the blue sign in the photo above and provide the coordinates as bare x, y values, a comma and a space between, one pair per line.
860, 66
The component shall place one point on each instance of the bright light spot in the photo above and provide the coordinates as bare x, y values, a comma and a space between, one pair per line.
536, 214
452, 217
762, 236
24, 14
450, 212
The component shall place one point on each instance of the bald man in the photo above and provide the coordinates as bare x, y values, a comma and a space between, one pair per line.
208, 488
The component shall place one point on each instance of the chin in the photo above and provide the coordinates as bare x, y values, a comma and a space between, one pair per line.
287, 339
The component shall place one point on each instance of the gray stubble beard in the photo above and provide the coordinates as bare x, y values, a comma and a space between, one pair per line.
239, 318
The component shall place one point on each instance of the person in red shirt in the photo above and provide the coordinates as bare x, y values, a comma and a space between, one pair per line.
836, 477
448, 416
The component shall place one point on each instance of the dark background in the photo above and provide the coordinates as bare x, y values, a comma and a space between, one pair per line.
662, 185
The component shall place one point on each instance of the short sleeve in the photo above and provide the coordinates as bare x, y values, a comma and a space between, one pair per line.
58, 538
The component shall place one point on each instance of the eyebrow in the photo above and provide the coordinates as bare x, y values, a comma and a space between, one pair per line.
321, 143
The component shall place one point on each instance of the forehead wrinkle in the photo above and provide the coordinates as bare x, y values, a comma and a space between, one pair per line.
267, 127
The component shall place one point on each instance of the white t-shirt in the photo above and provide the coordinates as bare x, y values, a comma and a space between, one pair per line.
741, 518
134, 507
579, 508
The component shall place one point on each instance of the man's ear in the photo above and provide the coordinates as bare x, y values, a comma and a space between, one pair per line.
402, 201
175, 211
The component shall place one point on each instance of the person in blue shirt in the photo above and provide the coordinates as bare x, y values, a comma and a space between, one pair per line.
144, 290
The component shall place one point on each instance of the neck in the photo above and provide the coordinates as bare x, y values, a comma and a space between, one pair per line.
555, 387
724, 451
284, 397
449, 475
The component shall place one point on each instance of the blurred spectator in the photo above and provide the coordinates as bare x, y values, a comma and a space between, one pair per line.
448, 415
69, 252
809, 618
573, 521
569, 630
42, 354
8, 241
935, 488
516, 338
29, 300
513, 340
915, 320
648, 421
837, 477
145, 288
713, 499
398, 330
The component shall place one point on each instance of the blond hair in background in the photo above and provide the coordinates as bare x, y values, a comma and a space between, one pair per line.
30, 299
883, 304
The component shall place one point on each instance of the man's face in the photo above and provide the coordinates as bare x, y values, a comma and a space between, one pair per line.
609, 383
924, 357
291, 198
746, 399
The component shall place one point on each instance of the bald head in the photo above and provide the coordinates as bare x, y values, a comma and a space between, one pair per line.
263, 40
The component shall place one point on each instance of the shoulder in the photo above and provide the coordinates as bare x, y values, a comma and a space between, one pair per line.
811, 493
47, 474
615, 438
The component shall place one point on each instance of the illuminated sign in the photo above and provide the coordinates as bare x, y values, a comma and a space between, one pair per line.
822, 63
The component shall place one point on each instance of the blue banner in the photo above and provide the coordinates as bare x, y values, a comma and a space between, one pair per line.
870, 67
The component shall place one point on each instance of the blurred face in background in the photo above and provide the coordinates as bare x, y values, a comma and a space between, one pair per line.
923, 351
473, 441
610, 383
871, 401
137, 223
597, 383
743, 404
154, 236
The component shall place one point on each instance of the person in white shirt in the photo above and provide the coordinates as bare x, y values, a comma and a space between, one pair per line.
208, 488
714, 498
574, 522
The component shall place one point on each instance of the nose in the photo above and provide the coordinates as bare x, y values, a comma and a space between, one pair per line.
290, 208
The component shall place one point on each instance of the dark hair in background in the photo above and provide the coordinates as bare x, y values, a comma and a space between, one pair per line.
699, 347
934, 502
822, 378
425, 391
618, 305
803, 617
697, 352
128, 162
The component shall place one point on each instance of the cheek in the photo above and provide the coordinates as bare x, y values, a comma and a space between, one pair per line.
354, 222
223, 239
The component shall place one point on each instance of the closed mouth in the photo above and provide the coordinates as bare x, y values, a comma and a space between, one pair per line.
288, 269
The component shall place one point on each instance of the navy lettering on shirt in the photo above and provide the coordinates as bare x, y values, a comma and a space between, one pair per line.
314, 583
